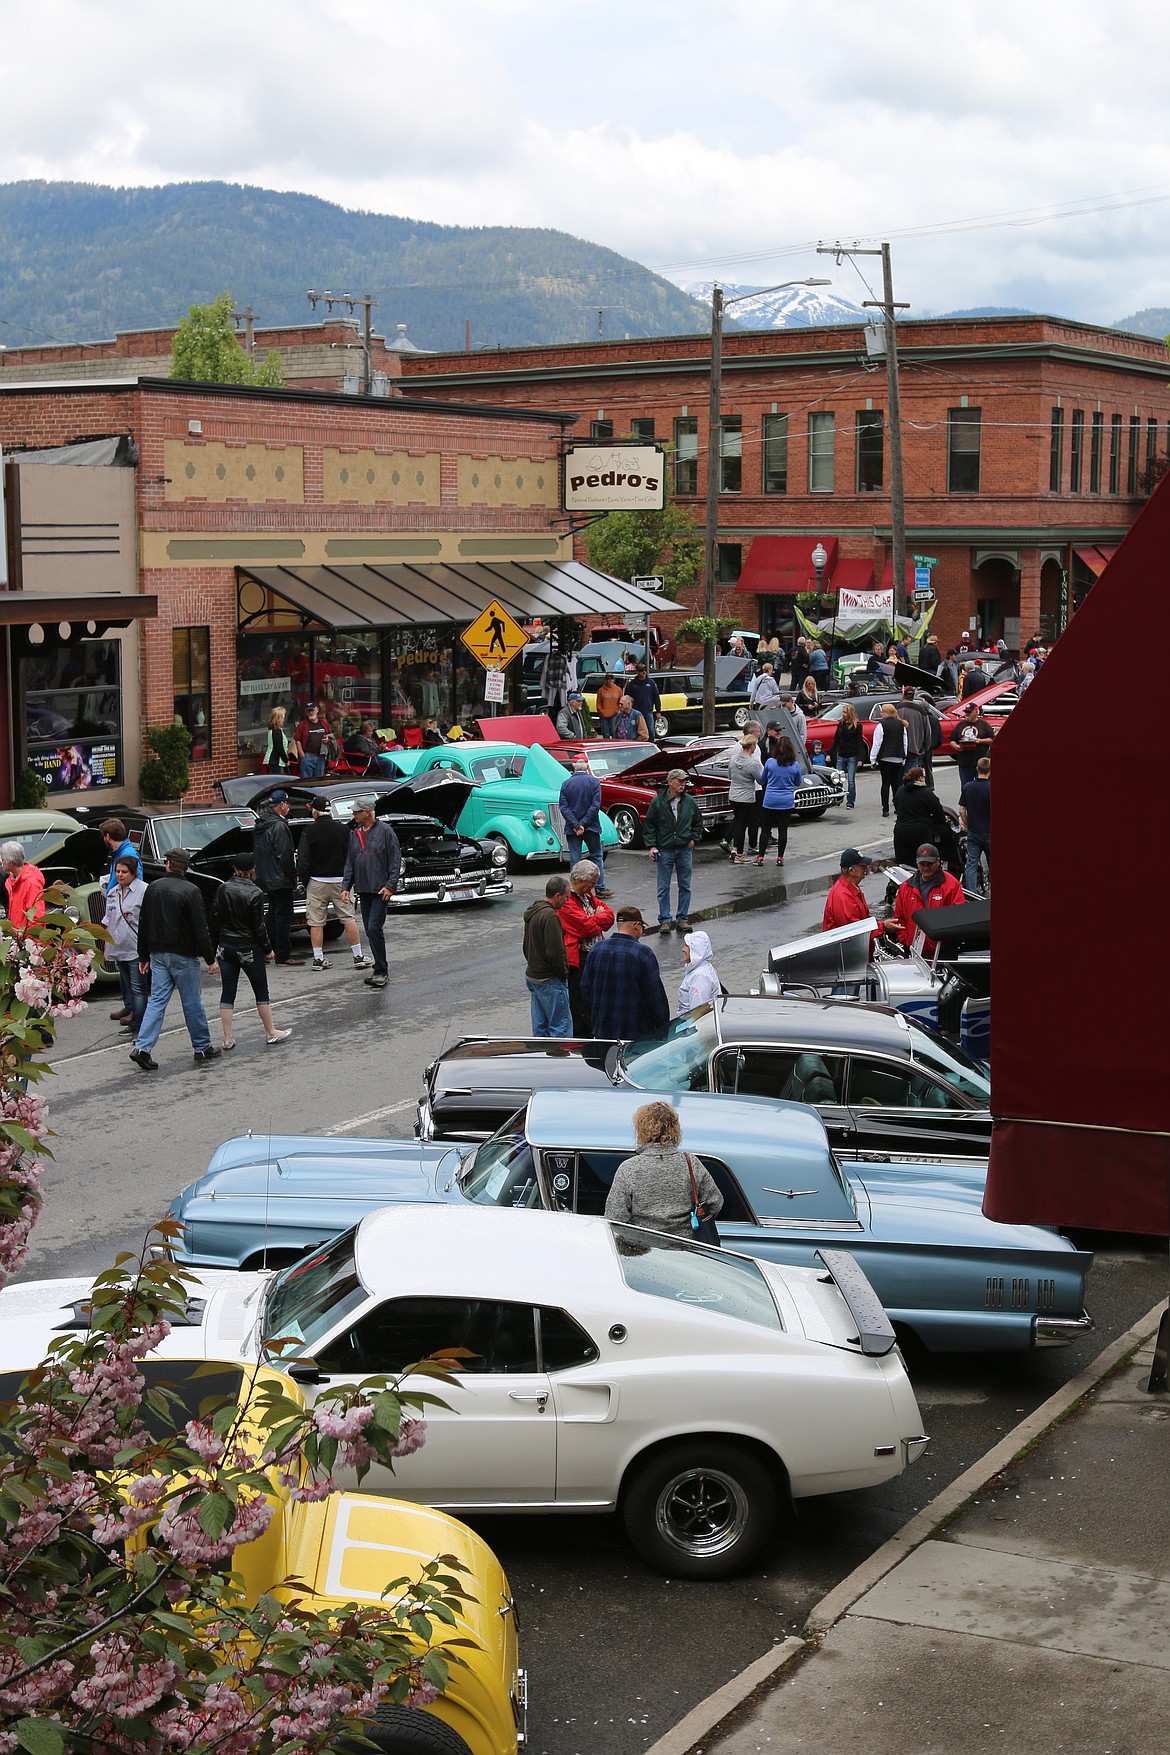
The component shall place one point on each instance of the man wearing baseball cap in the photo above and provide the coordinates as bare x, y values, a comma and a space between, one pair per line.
845, 902
931, 887
571, 719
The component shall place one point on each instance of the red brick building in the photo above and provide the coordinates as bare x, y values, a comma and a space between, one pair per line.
1030, 444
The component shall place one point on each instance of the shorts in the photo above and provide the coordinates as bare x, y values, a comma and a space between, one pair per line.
318, 895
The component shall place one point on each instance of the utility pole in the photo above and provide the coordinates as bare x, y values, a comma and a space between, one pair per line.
248, 317
353, 301
897, 489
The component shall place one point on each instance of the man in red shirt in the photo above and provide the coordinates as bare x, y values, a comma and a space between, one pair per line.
930, 887
845, 902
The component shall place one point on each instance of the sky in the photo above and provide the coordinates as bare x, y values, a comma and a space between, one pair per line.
1013, 152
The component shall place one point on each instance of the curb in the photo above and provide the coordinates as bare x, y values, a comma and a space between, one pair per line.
710, 1714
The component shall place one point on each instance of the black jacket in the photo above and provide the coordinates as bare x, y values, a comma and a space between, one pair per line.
920, 817
272, 846
849, 740
237, 916
544, 942
322, 849
173, 919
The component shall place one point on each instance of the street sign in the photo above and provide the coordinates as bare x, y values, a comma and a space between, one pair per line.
926, 560
921, 579
649, 581
494, 637
493, 688
922, 594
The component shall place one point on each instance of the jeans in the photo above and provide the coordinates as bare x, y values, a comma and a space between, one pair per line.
591, 839
848, 765
280, 919
675, 860
232, 959
974, 849
135, 991
374, 911
170, 972
312, 767
550, 1006
605, 726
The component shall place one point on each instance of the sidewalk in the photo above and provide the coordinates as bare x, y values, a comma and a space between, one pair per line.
1027, 1609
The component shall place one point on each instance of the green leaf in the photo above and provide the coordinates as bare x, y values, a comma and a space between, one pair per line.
215, 1514
40, 1736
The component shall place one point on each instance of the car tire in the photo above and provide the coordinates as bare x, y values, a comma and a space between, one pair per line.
702, 1509
811, 816
629, 829
333, 929
741, 716
661, 725
404, 1730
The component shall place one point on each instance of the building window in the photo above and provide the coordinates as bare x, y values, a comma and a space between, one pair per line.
1056, 451
686, 454
1151, 443
1095, 439
72, 712
1131, 460
601, 430
870, 441
1077, 451
964, 432
822, 440
730, 562
642, 426
730, 454
191, 668
775, 453
1115, 454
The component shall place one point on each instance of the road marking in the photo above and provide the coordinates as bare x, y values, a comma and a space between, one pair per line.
373, 1115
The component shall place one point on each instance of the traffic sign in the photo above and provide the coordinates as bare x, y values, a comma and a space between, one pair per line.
494, 637
921, 579
922, 594
926, 560
649, 581
493, 689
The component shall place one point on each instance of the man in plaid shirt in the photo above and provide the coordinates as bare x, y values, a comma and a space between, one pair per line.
622, 984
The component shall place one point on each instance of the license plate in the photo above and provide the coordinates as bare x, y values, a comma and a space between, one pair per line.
466, 893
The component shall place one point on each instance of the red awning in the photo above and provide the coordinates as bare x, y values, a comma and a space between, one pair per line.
1096, 559
888, 575
784, 563
852, 575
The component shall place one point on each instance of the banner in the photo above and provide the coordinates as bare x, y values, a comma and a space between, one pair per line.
863, 606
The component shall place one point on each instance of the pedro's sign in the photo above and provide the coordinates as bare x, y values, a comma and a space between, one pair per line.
615, 478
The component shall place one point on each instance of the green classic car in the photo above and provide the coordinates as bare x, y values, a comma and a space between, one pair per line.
68, 854
515, 795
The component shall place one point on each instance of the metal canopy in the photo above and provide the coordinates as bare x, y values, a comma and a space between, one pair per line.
403, 594
105, 610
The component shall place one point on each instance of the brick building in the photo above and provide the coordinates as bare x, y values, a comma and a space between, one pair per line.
209, 552
1029, 443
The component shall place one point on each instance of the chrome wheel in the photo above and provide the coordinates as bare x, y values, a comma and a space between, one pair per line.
661, 725
742, 715
629, 829
702, 1512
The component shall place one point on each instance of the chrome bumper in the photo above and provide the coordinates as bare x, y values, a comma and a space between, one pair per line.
1058, 1331
479, 891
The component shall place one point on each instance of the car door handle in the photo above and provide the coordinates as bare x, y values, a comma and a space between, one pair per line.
540, 1399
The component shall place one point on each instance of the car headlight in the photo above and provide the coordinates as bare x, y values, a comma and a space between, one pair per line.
74, 914
499, 855
540, 818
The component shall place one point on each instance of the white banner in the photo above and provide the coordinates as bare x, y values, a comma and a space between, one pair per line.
615, 478
864, 606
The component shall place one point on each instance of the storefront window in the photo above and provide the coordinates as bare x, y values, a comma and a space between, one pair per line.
73, 714
272, 670
191, 663
347, 680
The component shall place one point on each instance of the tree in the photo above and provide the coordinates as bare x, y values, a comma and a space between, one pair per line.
629, 544
206, 349
122, 1629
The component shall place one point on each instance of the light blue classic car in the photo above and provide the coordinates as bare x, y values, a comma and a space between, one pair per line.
515, 797
944, 1272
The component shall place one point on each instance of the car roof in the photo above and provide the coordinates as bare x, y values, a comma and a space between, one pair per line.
27, 822
835, 1023
604, 1120
486, 1252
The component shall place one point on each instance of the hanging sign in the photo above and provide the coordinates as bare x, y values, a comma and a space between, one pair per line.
615, 478
864, 606
493, 689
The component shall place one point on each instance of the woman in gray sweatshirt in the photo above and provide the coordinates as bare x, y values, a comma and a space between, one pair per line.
746, 768
653, 1188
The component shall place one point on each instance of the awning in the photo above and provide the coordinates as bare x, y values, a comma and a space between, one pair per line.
784, 563
86, 613
1096, 559
853, 575
888, 575
404, 594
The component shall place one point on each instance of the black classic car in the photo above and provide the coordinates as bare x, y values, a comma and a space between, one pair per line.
884, 1085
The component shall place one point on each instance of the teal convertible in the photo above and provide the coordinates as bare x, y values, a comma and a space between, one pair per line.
514, 799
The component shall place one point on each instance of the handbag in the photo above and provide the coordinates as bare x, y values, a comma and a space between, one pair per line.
703, 1227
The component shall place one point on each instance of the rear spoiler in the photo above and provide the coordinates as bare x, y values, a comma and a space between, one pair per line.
874, 1330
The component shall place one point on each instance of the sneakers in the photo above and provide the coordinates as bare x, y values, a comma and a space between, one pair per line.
142, 1057
779, 859
605, 892
228, 1046
277, 1037
363, 962
682, 926
759, 859
206, 1055
318, 962
377, 980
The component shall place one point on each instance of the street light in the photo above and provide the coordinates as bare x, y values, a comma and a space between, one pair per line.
718, 305
820, 555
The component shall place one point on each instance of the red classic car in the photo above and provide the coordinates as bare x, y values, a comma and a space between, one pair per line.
994, 703
823, 729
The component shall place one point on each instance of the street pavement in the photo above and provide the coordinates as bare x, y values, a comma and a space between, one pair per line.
616, 1655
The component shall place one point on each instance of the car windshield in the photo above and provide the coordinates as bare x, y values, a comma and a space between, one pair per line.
500, 767
501, 1172
309, 1299
954, 1063
686, 1273
617, 760
676, 1061
37, 841
195, 829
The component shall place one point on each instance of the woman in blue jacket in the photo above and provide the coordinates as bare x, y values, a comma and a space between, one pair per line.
782, 774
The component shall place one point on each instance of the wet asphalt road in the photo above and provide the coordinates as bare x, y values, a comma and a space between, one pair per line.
616, 1655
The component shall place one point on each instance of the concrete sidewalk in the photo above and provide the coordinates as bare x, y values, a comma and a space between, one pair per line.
1027, 1609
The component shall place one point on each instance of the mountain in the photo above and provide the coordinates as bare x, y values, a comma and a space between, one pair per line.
791, 307
985, 311
1154, 320
79, 261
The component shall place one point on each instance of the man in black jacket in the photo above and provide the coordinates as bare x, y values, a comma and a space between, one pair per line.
372, 865
172, 937
321, 855
276, 873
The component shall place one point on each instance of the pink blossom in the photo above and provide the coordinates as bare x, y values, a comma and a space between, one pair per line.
422, 1694
349, 1423
412, 1435
208, 1447
180, 1531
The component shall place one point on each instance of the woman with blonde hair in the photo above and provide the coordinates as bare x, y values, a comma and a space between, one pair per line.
661, 1184
280, 751
848, 749
888, 752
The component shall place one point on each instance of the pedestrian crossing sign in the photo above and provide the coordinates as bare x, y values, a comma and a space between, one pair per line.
494, 636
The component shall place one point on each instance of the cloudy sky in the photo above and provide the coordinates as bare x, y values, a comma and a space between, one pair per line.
1015, 152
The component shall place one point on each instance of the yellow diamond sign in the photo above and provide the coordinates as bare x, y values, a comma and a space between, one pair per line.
494, 636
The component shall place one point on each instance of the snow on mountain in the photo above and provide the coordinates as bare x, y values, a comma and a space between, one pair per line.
791, 307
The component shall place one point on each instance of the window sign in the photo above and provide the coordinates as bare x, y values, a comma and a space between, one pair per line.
73, 714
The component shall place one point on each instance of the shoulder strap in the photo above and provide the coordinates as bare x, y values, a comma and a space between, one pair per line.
691, 1174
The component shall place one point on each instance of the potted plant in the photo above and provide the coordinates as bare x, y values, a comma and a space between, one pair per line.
165, 773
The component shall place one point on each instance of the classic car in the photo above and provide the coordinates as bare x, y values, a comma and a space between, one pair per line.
515, 800
821, 731
76, 858
681, 696
696, 1389
213, 834
438, 864
343, 1549
944, 1272
884, 1085
949, 992
819, 790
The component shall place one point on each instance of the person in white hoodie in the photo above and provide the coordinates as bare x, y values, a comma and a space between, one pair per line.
700, 984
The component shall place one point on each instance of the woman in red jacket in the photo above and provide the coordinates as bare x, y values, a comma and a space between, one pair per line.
584, 918
25, 884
